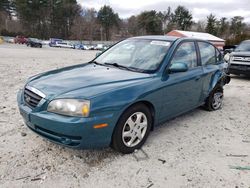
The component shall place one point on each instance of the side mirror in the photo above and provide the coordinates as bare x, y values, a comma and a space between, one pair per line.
178, 67
97, 54
227, 57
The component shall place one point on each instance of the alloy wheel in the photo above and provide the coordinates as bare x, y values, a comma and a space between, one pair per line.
217, 100
134, 130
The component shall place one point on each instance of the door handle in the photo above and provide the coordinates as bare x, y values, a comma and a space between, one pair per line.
197, 78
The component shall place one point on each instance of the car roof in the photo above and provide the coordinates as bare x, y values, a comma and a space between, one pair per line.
246, 41
157, 37
167, 38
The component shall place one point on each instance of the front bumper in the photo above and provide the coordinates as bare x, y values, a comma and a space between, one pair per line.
239, 69
76, 132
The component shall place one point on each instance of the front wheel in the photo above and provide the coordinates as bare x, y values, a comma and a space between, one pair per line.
215, 99
132, 129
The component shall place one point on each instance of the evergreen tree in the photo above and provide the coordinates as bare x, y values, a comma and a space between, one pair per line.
108, 19
237, 25
47, 18
211, 25
150, 23
223, 27
182, 18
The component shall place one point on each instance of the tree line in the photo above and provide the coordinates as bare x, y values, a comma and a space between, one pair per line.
69, 20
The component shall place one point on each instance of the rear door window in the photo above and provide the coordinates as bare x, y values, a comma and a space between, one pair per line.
207, 52
219, 56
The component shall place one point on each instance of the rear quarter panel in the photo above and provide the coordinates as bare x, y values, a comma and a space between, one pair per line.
212, 76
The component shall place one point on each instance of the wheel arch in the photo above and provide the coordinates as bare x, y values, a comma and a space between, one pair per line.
217, 79
207, 105
148, 104
151, 107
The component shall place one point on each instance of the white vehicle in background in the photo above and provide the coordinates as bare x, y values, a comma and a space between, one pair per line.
81, 47
99, 47
91, 47
64, 45
46, 42
87, 47
9, 39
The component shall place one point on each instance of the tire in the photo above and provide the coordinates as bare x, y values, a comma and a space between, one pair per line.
215, 98
130, 132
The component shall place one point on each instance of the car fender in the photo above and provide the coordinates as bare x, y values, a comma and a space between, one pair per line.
114, 103
216, 80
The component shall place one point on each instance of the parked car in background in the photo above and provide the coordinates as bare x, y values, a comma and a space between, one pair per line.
65, 45
20, 40
229, 49
54, 41
99, 47
45, 42
81, 47
87, 47
33, 42
9, 39
91, 47
120, 96
239, 59
105, 47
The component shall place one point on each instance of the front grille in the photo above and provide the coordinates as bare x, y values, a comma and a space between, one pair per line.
239, 58
240, 67
31, 99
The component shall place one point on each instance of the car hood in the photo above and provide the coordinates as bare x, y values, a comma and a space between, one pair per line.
94, 79
241, 54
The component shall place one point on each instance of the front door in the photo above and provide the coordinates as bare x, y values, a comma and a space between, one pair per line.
182, 91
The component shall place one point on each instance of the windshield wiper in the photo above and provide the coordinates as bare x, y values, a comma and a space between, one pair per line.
95, 62
122, 67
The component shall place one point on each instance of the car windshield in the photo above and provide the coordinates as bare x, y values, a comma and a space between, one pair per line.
140, 55
243, 47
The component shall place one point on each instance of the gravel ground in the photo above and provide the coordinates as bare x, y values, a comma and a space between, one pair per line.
197, 149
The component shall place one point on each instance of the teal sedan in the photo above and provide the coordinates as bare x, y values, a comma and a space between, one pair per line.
120, 96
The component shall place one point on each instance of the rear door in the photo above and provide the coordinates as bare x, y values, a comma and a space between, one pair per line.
210, 58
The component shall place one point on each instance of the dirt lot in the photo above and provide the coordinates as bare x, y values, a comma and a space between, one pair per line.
197, 149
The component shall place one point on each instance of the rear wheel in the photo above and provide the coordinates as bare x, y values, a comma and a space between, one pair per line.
132, 129
215, 99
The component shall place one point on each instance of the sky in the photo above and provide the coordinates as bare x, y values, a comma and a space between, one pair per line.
199, 8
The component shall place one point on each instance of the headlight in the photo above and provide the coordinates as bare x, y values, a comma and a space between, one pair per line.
227, 57
70, 107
